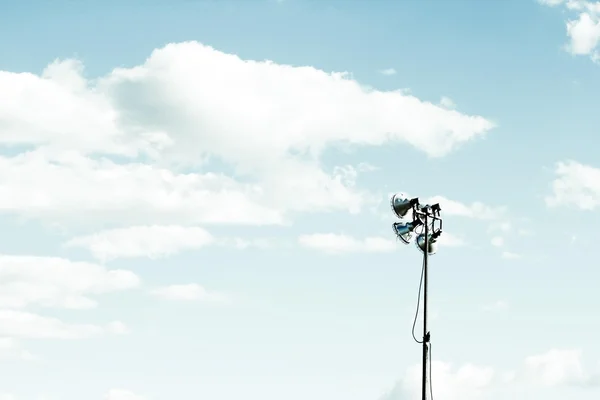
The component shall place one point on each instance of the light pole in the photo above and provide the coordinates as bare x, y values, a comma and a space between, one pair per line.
427, 224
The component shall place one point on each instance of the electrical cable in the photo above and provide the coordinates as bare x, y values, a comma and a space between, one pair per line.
430, 378
419, 229
418, 305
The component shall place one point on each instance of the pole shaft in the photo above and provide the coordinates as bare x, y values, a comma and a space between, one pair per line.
425, 333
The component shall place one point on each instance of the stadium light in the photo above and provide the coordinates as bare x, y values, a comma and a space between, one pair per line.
404, 230
426, 223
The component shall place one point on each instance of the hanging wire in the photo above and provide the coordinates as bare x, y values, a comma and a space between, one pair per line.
418, 304
430, 378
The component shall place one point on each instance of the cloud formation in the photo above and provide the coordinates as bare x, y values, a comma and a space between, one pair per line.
466, 382
188, 292
341, 243
559, 367
583, 30
337, 243
576, 185
21, 324
142, 241
552, 369
57, 282
188, 106
122, 394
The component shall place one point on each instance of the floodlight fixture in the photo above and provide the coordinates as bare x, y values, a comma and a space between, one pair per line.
404, 230
401, 204
431, 243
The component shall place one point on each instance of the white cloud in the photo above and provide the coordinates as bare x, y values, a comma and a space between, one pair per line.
508, 377
122, 394
476, 210
499, 305
113, 394
575, 185
559, 367
497, 241
447, 239
28, 325
188, 292
117, 328
388, 71
584, 30
76, 189
447, 102
468, 382
334, 243
340, 243
497, 217
186, 106
57, 282
7, 345
56, 108
584, 33
155, 241
510, 255
11, 348
241, 243
551, 3
151, 241
504, 226
472, 382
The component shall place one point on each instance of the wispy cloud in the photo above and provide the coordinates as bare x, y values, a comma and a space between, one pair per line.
499, 305
447, 102
188, 292
341, 243
510, 255
387, 71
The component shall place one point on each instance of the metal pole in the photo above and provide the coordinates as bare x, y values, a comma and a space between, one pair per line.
425, 333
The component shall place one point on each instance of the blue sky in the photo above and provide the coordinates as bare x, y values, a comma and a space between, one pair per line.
183, 220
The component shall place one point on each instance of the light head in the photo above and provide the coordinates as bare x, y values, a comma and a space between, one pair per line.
401, 205
404, 230
432, 243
